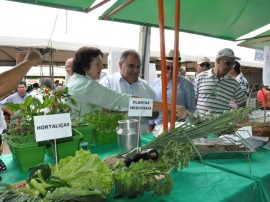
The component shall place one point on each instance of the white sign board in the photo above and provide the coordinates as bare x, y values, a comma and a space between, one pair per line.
140, 107
53, 126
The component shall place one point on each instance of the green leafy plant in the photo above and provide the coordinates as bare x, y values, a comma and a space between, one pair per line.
53, 103
106, 123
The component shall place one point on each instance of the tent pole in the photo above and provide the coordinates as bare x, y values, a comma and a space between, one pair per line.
255, 37
144, 48
97, 5
106, 17
175, 62
163, 65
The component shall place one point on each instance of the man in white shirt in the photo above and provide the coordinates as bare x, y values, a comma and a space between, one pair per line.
127, 81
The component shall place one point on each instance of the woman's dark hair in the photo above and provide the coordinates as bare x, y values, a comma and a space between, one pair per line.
83, 57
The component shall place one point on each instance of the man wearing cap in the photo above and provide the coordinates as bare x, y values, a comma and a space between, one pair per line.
185, 90
215, 89
236, 73
203, 64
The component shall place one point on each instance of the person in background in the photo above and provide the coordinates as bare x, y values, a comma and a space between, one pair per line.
182, 71
10, 79
3, 124
236, 73
263, 96
202, 64
56, 84
91, 95
69, 69
127, 81
16, 98
45, 83
185, 90
29, 89
215, 90
35, 86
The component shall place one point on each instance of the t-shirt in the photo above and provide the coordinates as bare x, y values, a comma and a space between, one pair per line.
243, 83
264, 96
214, 95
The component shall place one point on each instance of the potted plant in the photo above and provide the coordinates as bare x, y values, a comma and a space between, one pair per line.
86, 129
105, 125
21, 136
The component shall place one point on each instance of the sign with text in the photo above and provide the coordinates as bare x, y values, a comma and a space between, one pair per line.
140, 107
53, 126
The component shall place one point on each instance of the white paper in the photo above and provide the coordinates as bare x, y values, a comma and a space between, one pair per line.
140, 107
53, 126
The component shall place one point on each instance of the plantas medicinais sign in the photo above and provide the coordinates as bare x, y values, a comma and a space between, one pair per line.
53, 126
140, 107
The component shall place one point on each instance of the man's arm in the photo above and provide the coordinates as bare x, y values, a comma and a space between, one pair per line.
10, 78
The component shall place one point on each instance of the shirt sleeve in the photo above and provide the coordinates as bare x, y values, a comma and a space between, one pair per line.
240, 96
191, 103
195, 85
106, 98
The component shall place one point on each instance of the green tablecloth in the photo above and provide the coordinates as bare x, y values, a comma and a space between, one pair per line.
256, 167
212, 180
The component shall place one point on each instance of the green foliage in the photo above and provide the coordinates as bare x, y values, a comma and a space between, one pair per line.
143, 176
12, 195
73, 194
177, 155
106, 123
52, 104
85, 171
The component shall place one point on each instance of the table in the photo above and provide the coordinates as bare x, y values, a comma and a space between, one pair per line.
208, 181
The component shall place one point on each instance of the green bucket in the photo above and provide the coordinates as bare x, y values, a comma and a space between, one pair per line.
87, 132
27, 154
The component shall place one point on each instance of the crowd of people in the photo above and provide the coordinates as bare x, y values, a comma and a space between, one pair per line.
215, 89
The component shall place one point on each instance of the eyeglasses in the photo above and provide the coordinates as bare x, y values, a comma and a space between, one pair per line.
205, 64
228, 63
132, 65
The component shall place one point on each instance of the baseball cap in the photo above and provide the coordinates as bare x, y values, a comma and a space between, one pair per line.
227, 52
202, 60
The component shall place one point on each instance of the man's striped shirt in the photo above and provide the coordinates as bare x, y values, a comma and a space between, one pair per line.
214, 95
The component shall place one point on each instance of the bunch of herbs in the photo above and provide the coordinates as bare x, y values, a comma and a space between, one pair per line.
104, 122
